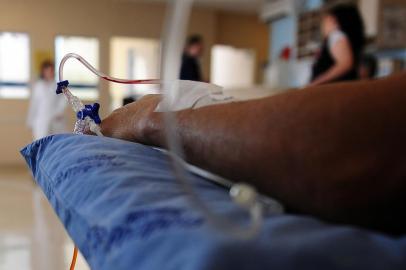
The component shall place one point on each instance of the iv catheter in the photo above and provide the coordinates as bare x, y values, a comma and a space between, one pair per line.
88, 115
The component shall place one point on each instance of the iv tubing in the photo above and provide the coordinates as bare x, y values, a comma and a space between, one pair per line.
74, 257
100, 74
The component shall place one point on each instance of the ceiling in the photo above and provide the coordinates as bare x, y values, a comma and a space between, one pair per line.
249, 6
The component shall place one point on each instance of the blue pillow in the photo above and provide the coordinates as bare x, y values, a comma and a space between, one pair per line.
124, 210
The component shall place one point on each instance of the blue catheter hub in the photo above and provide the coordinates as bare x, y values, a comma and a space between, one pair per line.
91, 111
61, 86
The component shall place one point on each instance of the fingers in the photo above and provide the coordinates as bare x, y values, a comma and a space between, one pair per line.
128, 122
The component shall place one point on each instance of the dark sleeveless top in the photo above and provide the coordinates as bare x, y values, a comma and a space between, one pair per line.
325, 61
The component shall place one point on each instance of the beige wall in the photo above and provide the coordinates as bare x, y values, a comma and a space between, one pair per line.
44, 19
245, 31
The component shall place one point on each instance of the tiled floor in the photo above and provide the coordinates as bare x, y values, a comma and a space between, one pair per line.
31, 236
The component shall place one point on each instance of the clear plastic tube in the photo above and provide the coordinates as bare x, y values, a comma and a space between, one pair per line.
100, 74
77, 105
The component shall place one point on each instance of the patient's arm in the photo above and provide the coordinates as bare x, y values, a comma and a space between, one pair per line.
335, 151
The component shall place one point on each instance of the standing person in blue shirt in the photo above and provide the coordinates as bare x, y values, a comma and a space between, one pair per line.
190, 69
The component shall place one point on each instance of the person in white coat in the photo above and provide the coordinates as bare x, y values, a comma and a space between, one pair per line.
46, 112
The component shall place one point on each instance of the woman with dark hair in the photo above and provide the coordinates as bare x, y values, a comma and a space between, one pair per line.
343, 43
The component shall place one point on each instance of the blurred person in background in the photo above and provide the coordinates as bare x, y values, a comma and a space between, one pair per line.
368, 67
46, 112
343, 43
190, 68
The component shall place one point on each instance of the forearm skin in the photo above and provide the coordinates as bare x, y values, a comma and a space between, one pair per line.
335, 151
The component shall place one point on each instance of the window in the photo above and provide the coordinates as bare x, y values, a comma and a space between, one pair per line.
133, 58
232, 67
14, 65
83, 83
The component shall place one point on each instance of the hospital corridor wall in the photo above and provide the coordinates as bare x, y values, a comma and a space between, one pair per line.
43, 20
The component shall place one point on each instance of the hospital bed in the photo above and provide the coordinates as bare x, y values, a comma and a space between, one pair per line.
123, 208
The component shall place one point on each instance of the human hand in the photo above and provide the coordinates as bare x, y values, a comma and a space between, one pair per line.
133, 122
